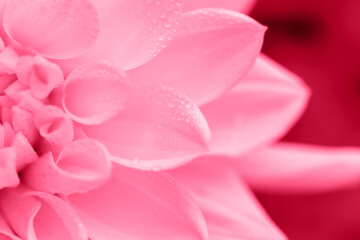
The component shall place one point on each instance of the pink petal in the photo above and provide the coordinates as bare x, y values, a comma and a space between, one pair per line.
135, 204
301, 168
8, 173
230, 209
212, 50
25, 153
23, 120
54, 29
2, 45
260, 109
60, 132
159, 128
38, 73
243, 6
40, 216
132, 32
5, 232
2, 136
94, 93
8, 59
80, 167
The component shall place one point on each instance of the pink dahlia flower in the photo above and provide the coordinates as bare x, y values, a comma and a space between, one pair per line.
99, 98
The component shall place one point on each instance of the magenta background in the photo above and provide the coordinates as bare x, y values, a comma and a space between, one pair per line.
320, 41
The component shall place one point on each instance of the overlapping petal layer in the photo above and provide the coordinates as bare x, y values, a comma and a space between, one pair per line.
297, 168
132, 32
81, 166
5, 231
134, 204
55, 29
40, 216
158, 128
230, 209
94, 93
211, 51
259, 110
8, 173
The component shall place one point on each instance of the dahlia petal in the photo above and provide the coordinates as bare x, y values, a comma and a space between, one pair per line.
40, 216
143, 28
230, 209
25, 153
2, 136
6, 80
80, 167
2, 44
23, 120
38, 73
5, 232
54, 29
8, 59
8, 173
212, 50
260, 109
8, 134
135, 204
158, 128
291, 167
60, 132
243, 6
94, 93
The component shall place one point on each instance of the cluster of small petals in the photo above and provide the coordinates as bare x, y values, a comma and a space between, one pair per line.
97, 96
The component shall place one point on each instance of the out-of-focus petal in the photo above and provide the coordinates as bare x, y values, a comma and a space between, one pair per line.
134, 204
243, 6
230, 209
39, 74
132, 31
212, 50
8, 173
158, 128
54, 29
94, 93
40, 216
80, 167
260, 109
294, 168
5, 232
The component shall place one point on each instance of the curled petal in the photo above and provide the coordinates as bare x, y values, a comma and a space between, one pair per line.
54, 29
158, 128
59, 132
25, 153
5, 231
8, 173
230, 209
80, 167
259, 110
212, 50
297, 168
243, 6
94, 93
38, 73
42, 216
135, 204
23, 120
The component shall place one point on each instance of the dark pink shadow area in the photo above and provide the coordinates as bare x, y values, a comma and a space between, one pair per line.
320, 41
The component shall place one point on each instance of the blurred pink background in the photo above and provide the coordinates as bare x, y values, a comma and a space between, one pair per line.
320, 41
